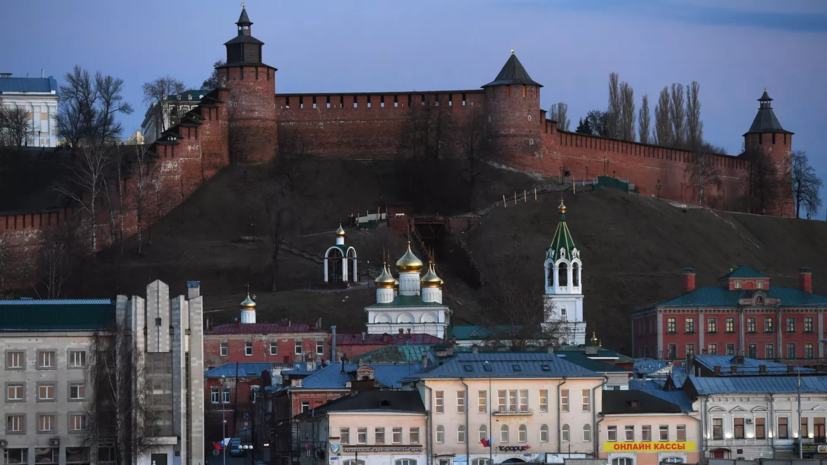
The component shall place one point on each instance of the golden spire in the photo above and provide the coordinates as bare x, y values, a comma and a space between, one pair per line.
512, 51
248, 303
340, 232
594, 338
562, 207
409, 262
242, 5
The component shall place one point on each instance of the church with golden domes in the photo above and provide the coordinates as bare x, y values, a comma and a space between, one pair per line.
412, 303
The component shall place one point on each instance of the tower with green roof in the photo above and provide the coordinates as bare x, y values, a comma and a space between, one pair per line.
563, 300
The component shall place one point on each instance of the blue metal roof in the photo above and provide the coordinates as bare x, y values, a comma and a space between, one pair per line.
245, 370
18, 85
505, 365
331, 376
748, 367
56, 302
655, 388
758, 385
723, 297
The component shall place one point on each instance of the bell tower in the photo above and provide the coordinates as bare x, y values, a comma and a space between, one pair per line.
563, 300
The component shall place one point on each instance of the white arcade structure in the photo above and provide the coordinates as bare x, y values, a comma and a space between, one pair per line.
340, 264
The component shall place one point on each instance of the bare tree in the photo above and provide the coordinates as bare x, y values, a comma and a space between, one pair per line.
212, 81
54, 260
292, 156
643, 120
677, 113
627, 112
663, 135
471, 140
615, 105
69, 121
119, 410
764, 185
281, 224
16, 125
806, 184
703, 171
598, 122
5, 261
559, 112
694, 125
107, 129
89, 107
85, 184
142, 171
156, 94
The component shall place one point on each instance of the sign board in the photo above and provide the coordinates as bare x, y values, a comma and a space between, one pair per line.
814, 448
665, 446
382, 449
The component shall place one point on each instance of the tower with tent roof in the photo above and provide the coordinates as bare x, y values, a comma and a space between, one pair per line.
563, 299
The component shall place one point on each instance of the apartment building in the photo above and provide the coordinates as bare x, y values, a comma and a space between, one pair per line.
39, 97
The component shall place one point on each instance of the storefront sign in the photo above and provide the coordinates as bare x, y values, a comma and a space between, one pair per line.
815, 448
347, 449
514, 448
649, 446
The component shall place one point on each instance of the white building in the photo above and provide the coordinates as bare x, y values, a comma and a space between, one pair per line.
340, 261
413, 302
174, 107
563, 300
39, 96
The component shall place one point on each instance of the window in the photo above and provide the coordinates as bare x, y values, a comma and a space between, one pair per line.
46, 359
672, 460
738, 424
564, 400
77, 359
808, 350
671, 325
737, 284
512, 400
15, 392
414, 436
478, 461
808, 325
768, 325
664, 433
15, 360
77, 422
362, 436
77, 455
226, 396
522, 433
804, 427
18, 456
563, 275
504, 433
783, 430
543, 400
344, 435
405, 462
45, 391
630, 433
712, 349
752, 327
440, 434
298, 347
543, 433
353, 462
790, 350
646, 433
769, 351
379, 435
623, 461
790, 325
46, 455
461, 434
396, 436
248, 349
712, 325
611, 432
672, 351
508, 91
818, 428
440, 402
46, 423
482, 401
274, 348
15, 424
717, 428
689, 324
760, 428
566, 433
587, 433
106, 454
461, 401
483, 432
225, 349
730, 349
587, 402
690, 350
523, 400
752, 351
305, 406
681, 433
319, 347
730, 325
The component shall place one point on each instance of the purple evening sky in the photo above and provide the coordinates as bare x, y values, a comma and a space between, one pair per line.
732, 48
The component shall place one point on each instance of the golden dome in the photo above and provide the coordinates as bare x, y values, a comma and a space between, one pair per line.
594, 340
385, 280
396, 284
431, 279
248, 303
562, 208
409, 262
340, 232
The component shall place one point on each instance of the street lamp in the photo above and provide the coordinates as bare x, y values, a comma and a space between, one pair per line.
224, 441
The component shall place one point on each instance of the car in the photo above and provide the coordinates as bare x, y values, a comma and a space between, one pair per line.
235, 447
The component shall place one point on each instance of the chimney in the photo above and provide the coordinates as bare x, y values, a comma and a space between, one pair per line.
333, 343
193, 289
401, 332
386, 338
762, 368
717, 370
550, 349
790, 369
289, 322
42, 73
475, 349
805, 279
688, 279
424, 361
409, 331
363, 337
343, 364
734, 369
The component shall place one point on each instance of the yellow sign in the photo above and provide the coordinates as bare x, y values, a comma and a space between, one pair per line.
649, 446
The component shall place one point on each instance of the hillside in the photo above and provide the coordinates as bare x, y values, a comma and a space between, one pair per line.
634, 249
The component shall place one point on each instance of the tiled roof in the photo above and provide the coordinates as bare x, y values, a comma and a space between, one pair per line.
750, 366
619, 402
19, 84
411, 339
406, 301
744, 272
580, 358
723, 297
766, 121
395, 354
332, 377
758, 385
378, 400
505, 365
56, 315
245, 370
262, 328
513, 73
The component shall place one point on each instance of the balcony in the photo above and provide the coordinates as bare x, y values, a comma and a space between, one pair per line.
513, 411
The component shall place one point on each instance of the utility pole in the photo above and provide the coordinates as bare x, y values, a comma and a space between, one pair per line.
800, 439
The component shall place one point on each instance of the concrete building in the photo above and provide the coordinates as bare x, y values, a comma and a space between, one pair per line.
39, 96
172, 110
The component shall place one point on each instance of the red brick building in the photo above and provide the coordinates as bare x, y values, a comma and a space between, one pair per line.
351, 345
265, 342
744, 315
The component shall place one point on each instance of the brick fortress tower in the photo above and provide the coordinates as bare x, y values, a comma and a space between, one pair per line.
767, 137
251, 108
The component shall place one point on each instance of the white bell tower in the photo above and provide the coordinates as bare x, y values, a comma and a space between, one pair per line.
563, 300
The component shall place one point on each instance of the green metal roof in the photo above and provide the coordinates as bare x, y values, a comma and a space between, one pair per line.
744, 272
723, 297
56, 315
394, 354
407, 301
562, 239
580, 358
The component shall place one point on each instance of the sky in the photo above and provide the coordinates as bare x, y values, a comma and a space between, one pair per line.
733, 49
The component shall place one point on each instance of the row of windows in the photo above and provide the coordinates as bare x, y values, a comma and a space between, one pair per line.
298, 349
46, 359
46, 423
512, 400
51, 455
646, 433
407, 462
729, 325
379, 436
505, 433
563, 275
46, 391
218, 395
752, 350
759, 429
